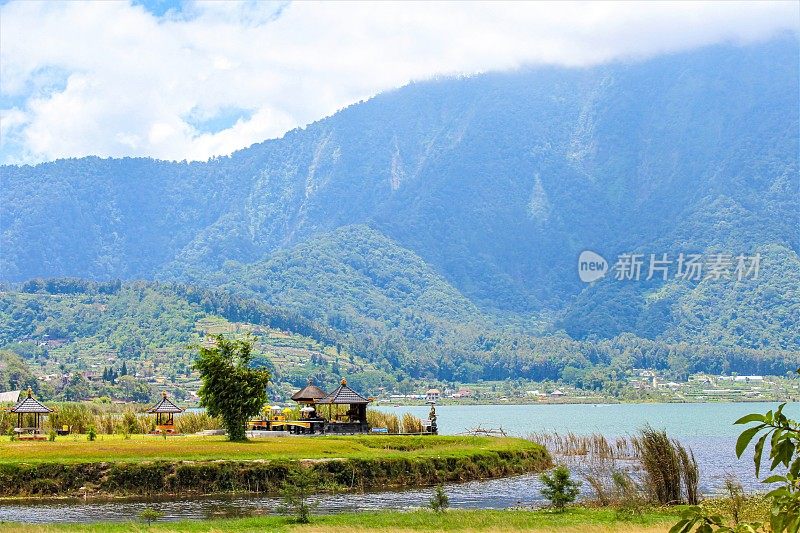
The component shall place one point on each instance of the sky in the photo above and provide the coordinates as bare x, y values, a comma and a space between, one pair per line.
185, 79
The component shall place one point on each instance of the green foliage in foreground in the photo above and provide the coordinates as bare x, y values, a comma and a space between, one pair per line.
572, 520
296, 494
231, 389
783, 435
150, 515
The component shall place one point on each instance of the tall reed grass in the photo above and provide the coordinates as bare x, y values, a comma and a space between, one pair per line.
590, 446
671, 473
394, 424
195, 422
109, 419
647, 467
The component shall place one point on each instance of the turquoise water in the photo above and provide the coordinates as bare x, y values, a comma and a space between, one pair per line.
680, 420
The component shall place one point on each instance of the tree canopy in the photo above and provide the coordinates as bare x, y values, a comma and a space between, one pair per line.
231, 389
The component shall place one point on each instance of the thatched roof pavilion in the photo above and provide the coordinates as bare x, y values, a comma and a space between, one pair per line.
309, 394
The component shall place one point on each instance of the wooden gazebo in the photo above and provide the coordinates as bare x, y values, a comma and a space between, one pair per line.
30, 406
354, 420
165, 411
307, 397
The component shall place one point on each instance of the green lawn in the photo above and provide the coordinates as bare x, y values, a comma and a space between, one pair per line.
572, 521
111, 448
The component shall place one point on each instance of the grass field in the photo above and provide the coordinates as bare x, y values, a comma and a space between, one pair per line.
576, 520
113, 448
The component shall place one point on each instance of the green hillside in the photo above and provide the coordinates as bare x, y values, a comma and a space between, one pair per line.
65, 337
82, 330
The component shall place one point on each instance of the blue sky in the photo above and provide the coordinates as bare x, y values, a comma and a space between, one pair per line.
193, 79
160, 7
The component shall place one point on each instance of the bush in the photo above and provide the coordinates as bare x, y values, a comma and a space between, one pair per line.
559, 488
150, 515
91, 434
297, 490
439, 502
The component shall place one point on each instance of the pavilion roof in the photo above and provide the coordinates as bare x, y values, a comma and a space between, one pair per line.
165, 406
29, 404
309, 393
344, 395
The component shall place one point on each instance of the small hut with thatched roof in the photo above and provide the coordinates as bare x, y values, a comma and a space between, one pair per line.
309, 394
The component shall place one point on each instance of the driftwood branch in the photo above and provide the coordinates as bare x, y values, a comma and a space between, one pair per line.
481, 431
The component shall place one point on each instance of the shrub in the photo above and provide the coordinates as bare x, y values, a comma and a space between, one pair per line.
150, 515
439, 502
130, 423
91, 434
296, 493
559, 488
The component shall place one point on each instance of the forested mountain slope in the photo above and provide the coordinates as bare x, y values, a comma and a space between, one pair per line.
486, 188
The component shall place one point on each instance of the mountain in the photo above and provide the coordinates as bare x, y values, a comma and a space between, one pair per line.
462, 205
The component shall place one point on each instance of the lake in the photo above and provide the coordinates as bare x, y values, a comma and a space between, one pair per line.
707, 428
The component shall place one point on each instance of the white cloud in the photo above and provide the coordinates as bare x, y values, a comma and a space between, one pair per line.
112, 79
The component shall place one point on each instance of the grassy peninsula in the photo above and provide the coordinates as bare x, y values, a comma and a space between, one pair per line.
113, 465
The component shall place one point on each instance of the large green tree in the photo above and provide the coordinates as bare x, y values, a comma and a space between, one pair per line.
231, 389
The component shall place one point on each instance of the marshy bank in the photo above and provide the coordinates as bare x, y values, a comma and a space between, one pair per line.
146, 465
647, 468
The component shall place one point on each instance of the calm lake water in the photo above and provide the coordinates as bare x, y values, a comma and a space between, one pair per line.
707, 428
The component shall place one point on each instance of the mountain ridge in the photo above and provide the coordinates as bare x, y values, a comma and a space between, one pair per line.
495, 183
